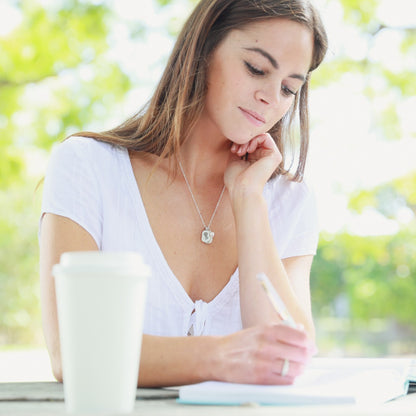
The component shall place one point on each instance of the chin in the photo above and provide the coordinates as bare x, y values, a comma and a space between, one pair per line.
242, 138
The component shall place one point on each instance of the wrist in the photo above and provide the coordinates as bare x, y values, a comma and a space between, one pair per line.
210, 367
214, 364
247, 198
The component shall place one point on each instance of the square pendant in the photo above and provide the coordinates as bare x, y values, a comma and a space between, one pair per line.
207, 236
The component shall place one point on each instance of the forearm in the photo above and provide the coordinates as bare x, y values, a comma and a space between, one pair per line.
169, 361
257, 253
51, 334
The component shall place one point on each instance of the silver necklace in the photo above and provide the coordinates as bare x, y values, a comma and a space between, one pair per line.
207, 235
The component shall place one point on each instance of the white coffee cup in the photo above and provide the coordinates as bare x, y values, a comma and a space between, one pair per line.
100, 300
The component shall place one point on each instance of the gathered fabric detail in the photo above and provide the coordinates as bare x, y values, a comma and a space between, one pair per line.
198, 319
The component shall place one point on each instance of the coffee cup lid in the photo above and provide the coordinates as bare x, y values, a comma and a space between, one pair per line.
123, 261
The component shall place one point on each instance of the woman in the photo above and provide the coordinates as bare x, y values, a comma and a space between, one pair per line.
197, 183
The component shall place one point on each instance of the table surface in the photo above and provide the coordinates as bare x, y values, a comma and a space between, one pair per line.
46, 398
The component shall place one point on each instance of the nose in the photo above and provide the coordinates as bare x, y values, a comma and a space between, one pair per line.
269, 94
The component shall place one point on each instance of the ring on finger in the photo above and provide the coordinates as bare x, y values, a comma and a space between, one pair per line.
285, 368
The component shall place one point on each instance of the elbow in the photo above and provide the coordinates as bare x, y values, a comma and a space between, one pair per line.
56, 365
57, 373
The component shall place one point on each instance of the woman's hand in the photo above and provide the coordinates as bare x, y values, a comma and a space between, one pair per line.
252, 172
256, 355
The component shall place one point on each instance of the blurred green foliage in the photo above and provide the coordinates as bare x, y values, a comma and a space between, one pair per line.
19, 288
360, 12
358, 281
376, 273
390, 198
40, 104
364, 281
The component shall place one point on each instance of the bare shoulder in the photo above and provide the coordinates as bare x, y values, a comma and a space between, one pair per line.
150, 170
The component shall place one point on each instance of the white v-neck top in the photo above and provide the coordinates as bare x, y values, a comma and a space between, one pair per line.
93, 184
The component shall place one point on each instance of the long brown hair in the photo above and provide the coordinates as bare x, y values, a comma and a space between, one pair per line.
162, 125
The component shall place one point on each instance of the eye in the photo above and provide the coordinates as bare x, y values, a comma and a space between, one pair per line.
253, 70
287, 91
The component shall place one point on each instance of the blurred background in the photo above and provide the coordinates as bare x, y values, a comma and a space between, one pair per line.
70, 65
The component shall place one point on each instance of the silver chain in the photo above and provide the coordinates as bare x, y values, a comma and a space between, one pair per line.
207, 227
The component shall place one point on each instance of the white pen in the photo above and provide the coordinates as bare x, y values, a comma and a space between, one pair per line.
276, 301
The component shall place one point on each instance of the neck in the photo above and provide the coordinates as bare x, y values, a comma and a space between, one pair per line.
205, 155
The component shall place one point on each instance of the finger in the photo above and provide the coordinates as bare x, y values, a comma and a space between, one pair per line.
283, 372
293, 336
271, 373
279, 350
242, 150
236, 148
264, 147
265, 140
256, 143
262, 140
296, 354
304, 347
288, 368
252, 146
284, 333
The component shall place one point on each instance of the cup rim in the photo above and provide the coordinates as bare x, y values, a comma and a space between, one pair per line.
102, 262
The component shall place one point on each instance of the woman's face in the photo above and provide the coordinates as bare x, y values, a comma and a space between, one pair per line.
254, 75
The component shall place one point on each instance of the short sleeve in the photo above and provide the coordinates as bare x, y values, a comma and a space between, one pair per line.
305, 234
71, 186
293, 218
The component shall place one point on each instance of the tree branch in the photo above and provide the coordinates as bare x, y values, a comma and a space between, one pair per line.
382, 26
10, 83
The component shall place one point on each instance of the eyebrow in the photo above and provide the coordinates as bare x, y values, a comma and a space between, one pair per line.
274, 63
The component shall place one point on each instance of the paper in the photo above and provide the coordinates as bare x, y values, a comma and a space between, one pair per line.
341, 381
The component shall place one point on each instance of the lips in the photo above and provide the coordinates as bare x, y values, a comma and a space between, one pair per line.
253, 117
